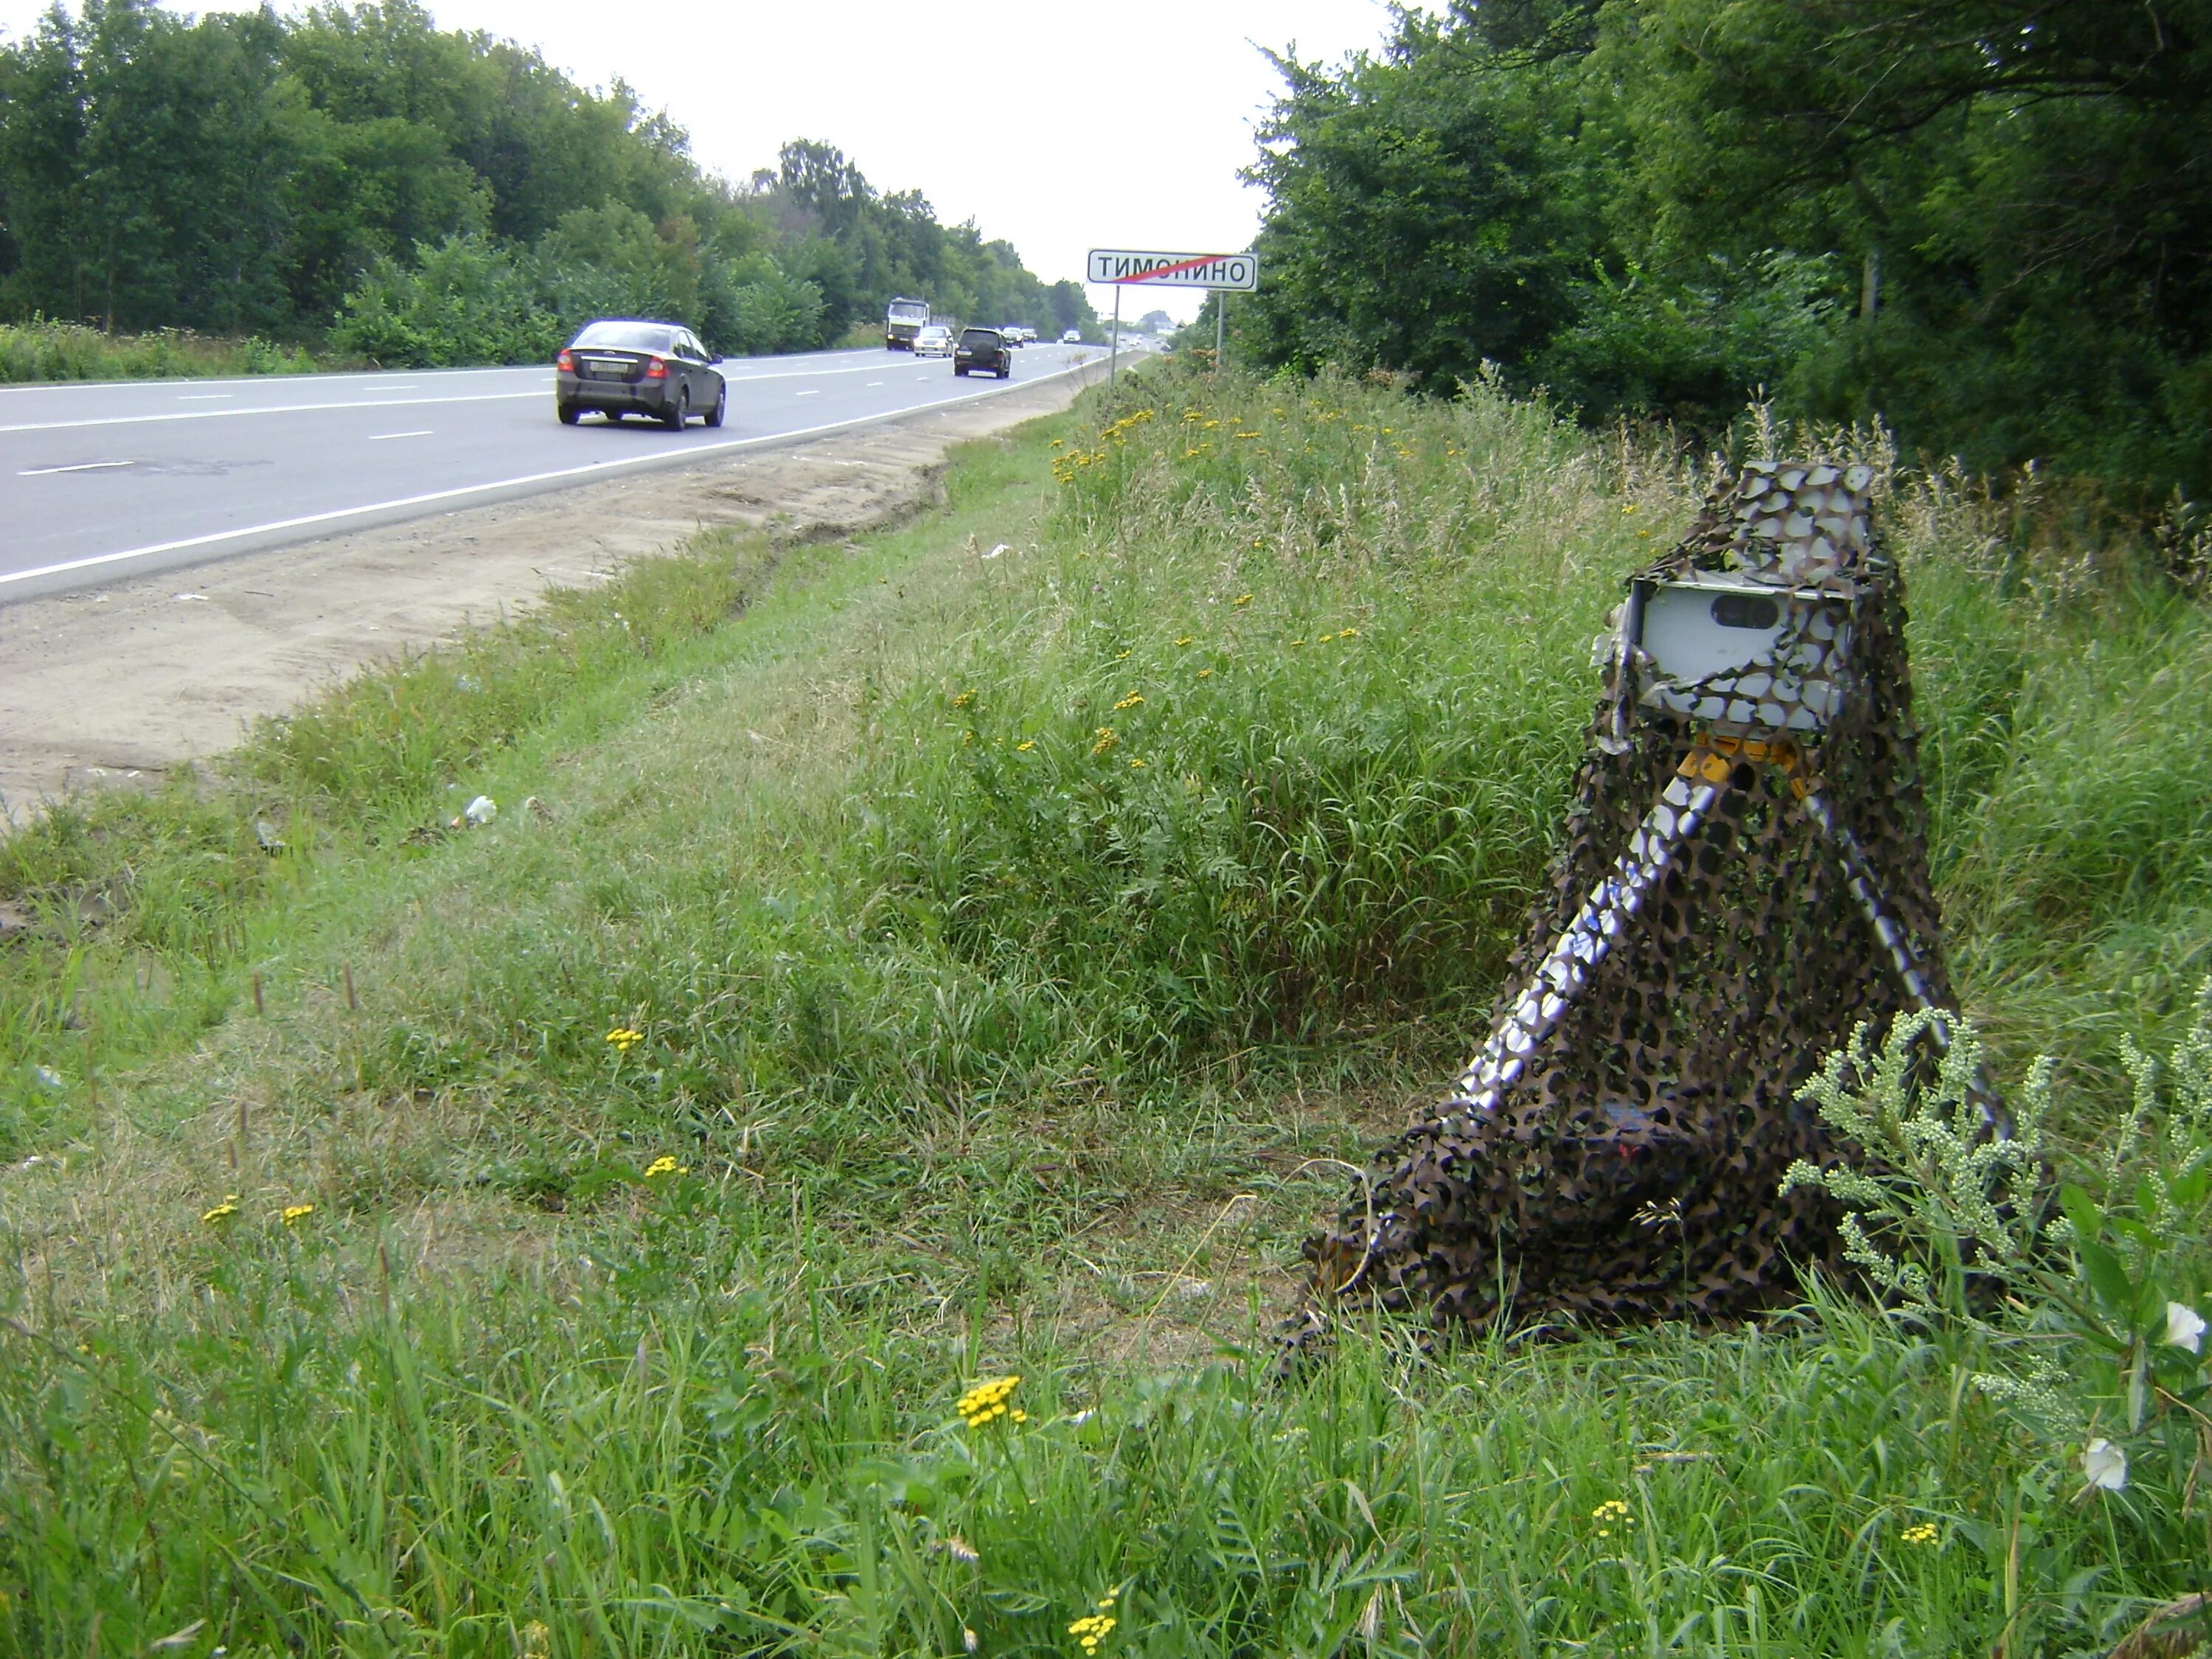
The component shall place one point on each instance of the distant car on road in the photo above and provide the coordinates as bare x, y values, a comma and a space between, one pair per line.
1073, 337
624, 365
1012, 333
983, 349
935, 341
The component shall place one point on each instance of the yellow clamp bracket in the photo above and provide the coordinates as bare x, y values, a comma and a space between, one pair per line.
1715, 752
1702, 763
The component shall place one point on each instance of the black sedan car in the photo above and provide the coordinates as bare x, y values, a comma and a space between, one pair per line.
620, 365
982, 348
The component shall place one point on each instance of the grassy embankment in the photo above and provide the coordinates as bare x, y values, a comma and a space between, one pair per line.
1005, 934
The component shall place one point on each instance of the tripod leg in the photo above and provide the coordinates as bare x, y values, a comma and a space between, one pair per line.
1564, 974
1858, 875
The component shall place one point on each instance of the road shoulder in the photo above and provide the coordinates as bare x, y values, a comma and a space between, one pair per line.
119, 685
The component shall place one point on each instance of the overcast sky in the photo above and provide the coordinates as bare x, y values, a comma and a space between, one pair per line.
1056, 127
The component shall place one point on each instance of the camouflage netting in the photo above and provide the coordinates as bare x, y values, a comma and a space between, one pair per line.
1626, 1165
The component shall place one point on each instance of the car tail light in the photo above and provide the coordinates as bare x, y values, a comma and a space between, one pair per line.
566, 362
657, 369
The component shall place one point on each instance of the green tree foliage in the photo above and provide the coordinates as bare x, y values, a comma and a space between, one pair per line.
425, 196
1988, 220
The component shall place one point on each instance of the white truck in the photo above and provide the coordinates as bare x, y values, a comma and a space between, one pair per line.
902, 321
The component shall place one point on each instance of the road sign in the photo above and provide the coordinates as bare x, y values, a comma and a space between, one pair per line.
1133, 267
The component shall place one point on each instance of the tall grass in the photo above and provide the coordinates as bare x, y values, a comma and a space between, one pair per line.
664, 1449
974, 1048
42, 350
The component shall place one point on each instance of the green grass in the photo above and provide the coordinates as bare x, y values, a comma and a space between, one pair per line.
42, 350
985, 1050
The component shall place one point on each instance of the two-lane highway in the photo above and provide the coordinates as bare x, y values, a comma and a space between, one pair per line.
100, 480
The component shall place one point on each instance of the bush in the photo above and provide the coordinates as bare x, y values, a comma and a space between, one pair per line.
468, 301
41, 350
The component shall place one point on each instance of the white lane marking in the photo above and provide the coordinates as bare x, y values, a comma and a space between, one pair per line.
689, 451
377, 374
386, 437
368, 402
82, 466
204, 396
811, 392
871, 383
281, 408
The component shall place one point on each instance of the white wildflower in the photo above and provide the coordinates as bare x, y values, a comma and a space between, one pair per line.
2105, 1465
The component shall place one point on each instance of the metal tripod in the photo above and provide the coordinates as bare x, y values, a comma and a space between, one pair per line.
1564, 975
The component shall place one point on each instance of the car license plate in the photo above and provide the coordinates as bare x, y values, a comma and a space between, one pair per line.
604, 371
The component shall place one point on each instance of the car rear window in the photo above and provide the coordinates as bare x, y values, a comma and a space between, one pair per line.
627, 337
980, 337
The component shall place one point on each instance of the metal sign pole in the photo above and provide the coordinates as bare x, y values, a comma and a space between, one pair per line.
1114, 362
1220, 327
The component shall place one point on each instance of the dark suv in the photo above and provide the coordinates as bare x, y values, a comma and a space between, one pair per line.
984, 349
621, 366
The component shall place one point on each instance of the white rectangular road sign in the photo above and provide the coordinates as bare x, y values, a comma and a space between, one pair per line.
1137, 269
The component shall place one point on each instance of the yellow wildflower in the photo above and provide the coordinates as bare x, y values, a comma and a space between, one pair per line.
1204, 673
295, 1213
223, 1212
986, 1401
1297, 642
1123, 656
964, 699
1093, 1628
1136, 765
1347, 633
1106, 740
624, 1039
665, 1165
1613, 1513
1132, 700
1186, 638
1026, 745
1922, 1534
1241, 598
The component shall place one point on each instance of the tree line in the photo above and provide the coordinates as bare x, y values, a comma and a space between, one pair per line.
1988, 221
356, 177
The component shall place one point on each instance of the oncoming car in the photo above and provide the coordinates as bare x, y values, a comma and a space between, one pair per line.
1073, 337
623, 366
935, 341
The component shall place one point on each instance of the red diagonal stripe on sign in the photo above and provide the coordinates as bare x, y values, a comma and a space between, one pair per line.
1169, 271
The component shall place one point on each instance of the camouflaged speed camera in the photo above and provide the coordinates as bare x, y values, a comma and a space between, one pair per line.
1761, 646
1744, 884
1741, 656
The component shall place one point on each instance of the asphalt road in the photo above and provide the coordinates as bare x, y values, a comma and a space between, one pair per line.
102, 480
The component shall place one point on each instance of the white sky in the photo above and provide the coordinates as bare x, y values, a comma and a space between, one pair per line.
1120, 126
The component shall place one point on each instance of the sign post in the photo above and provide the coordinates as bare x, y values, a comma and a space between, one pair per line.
1225, 273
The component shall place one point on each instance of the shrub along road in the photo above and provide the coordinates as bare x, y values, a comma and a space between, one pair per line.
106, 480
